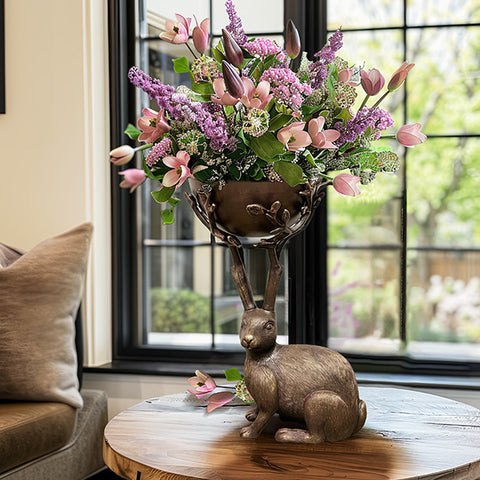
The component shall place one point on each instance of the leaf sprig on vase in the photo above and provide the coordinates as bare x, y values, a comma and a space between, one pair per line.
250, 115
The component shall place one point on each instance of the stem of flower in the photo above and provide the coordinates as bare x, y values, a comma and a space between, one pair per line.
364, 101
190, 48
143, 147
326, 177
381, 98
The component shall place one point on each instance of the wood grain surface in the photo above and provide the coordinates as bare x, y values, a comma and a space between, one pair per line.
408, 435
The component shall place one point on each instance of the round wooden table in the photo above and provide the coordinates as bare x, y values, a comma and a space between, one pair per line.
408, 435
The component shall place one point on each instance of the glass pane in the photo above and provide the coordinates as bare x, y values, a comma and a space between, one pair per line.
257, 16
364, 13
159, 10
444, 305
443, 88
443, 200
364, 300
434, 12
228, 306
177, 290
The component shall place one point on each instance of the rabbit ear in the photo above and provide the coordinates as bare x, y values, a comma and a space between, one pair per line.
273, 279
240, 278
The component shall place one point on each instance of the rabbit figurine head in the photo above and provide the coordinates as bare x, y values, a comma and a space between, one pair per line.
258, 330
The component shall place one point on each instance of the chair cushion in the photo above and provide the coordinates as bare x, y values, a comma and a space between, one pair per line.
41, 291
30, 430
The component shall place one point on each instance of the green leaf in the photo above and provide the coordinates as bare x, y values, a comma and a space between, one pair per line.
234, 172
174, 201
232, 375
331, 76
203, 88
290, 172
279, 121
167, 216
203, 175
181, 65
218, 54
132, 131
163, 195
310, 159
267, 147
344, 115
310, 109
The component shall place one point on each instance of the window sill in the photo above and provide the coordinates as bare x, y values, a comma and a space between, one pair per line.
188, 369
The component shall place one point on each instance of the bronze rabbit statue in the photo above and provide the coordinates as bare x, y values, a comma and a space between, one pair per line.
306, 383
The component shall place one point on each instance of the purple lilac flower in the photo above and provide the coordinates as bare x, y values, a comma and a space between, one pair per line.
262, 47
376, 118
207, 116
235, 26
318, 70
286, 87
158, 151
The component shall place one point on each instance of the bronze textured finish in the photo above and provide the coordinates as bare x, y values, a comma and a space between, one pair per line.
306, 383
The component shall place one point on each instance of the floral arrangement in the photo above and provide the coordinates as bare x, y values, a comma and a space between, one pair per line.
203, 384
250, 115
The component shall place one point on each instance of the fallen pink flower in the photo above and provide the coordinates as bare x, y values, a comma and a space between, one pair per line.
219, 399
180, 171
346, 184
153, 125
122, 155
200, 35
221, 95
321, 138
133, 178
203, 384
372, 82
399, 76
256, 97
294, 137
410, 135
177, 32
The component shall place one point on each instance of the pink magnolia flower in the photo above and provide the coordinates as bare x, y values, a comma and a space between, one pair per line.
203, 384
133, 178
294, 137
180, 171
256, 97
222, 96
177, 32
218, 399
200, 35
410, 135
399, 76
321, 139
372, 82
153, 125
346, 184
122, 155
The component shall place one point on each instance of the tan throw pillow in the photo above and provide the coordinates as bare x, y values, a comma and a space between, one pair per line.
40, 292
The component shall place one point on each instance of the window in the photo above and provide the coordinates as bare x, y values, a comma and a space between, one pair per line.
400, 277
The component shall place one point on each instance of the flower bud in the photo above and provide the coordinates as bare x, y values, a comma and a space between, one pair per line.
133, 178
410, 135
346, 184
399, 76
200, 35
233, 82
372, 82
233, 53
292, 40
121, 155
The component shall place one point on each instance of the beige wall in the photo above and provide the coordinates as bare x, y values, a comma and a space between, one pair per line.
53, 137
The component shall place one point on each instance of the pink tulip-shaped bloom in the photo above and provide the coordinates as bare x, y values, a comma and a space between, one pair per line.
410, 135
200, 35
222, 96
399, 76
346, 184
218, 399
122, 155
133, 178
321, 138
372, 82
153, 125
344, 75
202, 383
256, 97
294, 137
180, 171
177, 32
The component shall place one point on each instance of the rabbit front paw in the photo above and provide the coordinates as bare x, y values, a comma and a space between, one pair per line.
249, 432
251, 415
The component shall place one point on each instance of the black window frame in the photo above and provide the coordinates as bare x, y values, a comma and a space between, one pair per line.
308, 278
